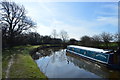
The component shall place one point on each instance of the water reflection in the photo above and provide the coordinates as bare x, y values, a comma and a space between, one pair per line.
56, 64
99, 70
45, 52
88, 66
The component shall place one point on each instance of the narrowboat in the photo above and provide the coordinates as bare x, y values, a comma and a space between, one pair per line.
98, 55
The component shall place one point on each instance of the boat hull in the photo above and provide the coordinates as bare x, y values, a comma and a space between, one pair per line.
110, 66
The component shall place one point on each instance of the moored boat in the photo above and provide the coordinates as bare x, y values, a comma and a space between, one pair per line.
99, 55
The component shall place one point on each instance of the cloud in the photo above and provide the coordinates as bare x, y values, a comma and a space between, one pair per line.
79, 27
109, 9
43, 30
111, 6
84, 28
108, 20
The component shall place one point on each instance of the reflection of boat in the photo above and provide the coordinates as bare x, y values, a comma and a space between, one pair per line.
87, 65
97, 55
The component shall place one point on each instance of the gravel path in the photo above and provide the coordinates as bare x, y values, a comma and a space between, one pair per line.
9, 66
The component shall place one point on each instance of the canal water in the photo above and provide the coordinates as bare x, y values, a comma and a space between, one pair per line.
57, 63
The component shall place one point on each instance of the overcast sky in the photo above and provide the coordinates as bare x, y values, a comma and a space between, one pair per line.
77, 18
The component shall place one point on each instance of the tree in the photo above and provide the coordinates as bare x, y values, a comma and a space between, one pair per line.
96, 40
106, 38
116, 37
64, 36
86, 41
33, 38
46, 39
73, 41
54, 33
13, 21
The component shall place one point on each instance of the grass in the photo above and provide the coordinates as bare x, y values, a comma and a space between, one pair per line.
110, 44
23, 66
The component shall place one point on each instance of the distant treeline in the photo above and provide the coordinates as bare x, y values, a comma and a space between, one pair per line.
34, 38
31, 38
104, 40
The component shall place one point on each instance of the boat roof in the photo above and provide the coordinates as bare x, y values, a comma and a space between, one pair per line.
89, 48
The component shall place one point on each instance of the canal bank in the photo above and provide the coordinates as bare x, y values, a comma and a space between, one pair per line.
57, 63
17, 63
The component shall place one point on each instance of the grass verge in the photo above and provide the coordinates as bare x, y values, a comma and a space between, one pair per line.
23, 65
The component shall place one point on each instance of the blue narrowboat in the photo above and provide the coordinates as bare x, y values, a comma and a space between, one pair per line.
99, 55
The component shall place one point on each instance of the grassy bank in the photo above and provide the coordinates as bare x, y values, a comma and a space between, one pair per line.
23, 65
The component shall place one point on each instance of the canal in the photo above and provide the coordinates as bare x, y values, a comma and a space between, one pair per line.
57, 63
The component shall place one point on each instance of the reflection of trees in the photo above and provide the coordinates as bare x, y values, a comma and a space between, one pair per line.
41, 53
55, 56
44, 52
55, 53
60, 55
88, 66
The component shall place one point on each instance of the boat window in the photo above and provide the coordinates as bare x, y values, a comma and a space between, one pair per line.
85, 52
88, 53
81, 51
77, 50
72, 49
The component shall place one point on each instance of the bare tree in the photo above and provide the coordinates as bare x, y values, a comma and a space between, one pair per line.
54, 34
106, 38
13, 20
116, 37
64, 35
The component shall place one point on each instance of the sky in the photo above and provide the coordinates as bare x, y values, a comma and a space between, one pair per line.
76, 18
